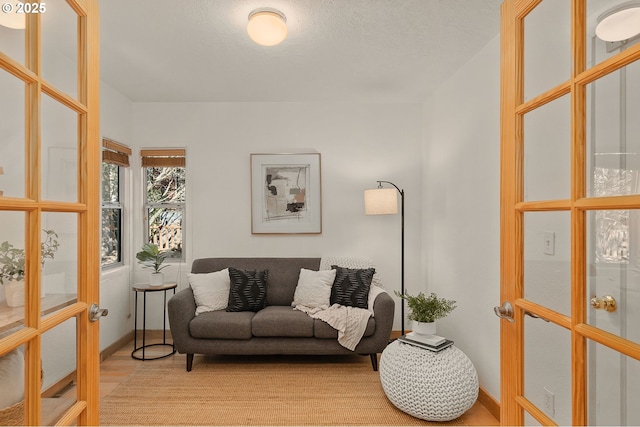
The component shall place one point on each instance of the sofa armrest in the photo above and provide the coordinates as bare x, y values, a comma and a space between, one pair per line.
181, 309
383, 311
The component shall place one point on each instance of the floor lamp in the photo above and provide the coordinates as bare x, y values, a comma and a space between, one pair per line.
384, 201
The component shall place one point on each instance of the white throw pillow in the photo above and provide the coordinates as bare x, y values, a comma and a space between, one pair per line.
11, 378
210, 290
314, 288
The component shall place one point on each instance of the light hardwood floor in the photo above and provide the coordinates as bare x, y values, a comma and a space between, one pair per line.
120, 365
117, 368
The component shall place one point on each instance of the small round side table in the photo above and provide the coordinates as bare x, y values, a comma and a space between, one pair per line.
428, 385
144, 289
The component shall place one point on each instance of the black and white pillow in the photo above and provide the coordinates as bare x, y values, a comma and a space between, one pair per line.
351, 286
248, 290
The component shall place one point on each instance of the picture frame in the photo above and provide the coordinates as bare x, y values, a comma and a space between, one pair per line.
286, 193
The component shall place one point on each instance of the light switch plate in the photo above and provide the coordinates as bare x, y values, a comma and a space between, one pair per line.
549, 243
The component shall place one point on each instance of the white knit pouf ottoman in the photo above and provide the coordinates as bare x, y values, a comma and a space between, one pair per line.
427, 385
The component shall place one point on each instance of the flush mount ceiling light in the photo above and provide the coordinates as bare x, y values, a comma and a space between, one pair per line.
619, 23
267, 26
10, 19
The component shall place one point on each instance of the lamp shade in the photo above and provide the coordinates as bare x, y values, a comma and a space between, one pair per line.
619, 23
10, 19
267, 27
381, 201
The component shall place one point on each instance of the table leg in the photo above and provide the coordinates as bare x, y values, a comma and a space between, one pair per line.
144, 323
135, 325
173, 345
164, 319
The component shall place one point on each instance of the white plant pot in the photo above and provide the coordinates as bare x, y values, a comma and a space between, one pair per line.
14, 293
423, 328
156, 279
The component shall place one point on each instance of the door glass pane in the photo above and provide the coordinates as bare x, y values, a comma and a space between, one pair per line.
12, 139
60, 46
547, 368
60, 269
614, 387
613, 127
12, 39
547, 151
12, 279
529, 420
547, 259
613, 245
58, 362
547, 47
59, 151
600, 50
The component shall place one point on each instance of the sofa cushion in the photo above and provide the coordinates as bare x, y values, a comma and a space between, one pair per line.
210, 290
281, 321
351, 287
314, 288
222, 324
323, 330
248, 291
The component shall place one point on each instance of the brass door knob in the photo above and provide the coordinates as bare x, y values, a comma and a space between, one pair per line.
607, 303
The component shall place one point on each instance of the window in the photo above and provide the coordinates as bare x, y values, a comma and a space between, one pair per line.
115, 157
164, 205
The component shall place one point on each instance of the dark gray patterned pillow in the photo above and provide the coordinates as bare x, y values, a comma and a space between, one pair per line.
248, 291
351, 286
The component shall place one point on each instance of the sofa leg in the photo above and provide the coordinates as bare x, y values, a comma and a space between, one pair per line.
374, 361
189, 362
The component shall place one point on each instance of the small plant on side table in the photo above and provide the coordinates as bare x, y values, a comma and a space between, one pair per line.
152, 257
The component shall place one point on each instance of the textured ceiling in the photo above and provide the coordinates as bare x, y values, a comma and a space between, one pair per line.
336, 50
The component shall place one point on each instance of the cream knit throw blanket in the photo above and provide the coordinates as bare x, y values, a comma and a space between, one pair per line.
350, 322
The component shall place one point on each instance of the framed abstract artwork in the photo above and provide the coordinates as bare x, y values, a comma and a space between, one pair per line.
286, 194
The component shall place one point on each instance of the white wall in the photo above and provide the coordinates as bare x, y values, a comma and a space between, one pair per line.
116, 123
359, 144
461, 233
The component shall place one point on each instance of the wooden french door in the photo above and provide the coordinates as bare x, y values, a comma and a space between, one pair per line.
49, 206
570, 217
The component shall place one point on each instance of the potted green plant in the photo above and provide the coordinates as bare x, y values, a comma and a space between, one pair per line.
12, 266
152, 257
425, 310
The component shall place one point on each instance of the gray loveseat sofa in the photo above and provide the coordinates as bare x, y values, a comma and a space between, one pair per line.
276, 329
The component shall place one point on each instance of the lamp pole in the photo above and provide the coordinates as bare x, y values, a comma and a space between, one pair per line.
401, 250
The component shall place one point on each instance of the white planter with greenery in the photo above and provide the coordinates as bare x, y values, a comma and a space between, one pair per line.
425, 310
12, 267
424, 328
156, 278
151, 257
14, 292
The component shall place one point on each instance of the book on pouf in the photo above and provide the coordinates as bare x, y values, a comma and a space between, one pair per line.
429, 342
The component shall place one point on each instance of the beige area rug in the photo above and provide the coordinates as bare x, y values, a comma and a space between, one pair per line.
266, 390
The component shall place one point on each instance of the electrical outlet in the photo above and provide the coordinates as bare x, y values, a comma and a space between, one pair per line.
549, 242
549, 403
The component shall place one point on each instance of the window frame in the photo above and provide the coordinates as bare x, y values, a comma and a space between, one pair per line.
119, 206
164, 158
117, 154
